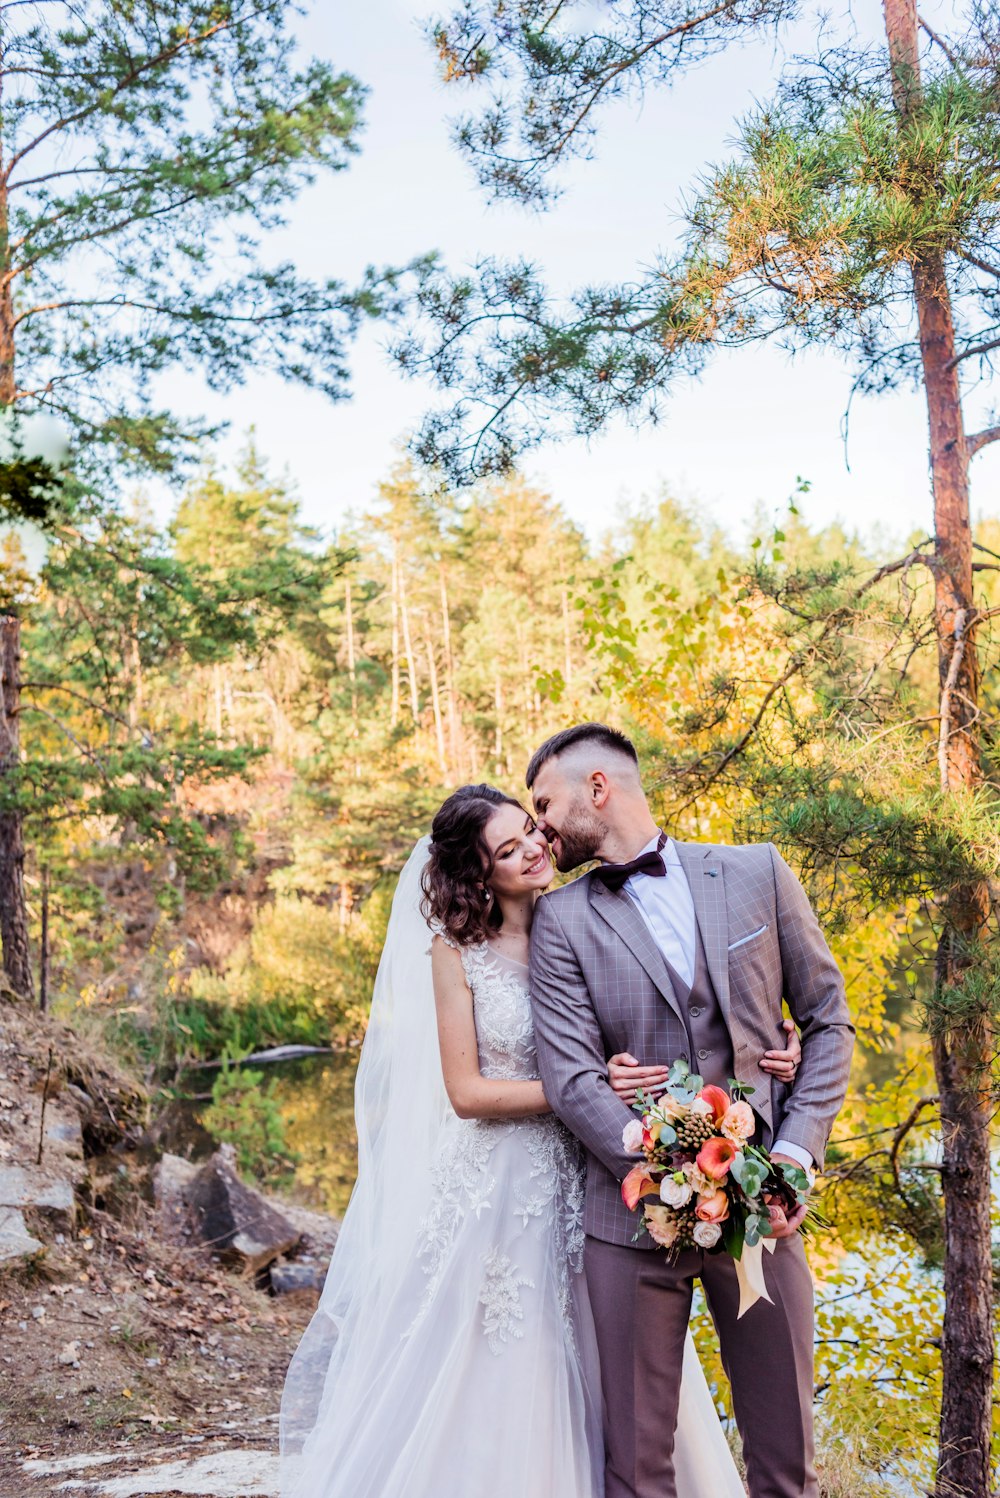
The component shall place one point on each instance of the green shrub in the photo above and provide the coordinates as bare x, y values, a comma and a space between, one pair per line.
299, 979
244, 1113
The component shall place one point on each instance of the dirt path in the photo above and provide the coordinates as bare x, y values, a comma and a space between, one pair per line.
192, 1466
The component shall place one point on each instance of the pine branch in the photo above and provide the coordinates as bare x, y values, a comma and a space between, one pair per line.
975, 351
982, 439
135, 74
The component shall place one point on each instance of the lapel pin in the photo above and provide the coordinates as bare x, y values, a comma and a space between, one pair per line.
711, 873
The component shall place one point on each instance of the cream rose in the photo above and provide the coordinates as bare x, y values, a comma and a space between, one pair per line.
632, 1136
674, 1192
706, 1234
702, 1107
662, 1226
738, 1123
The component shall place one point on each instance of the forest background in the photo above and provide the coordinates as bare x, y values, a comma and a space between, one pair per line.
223, 732
223, 794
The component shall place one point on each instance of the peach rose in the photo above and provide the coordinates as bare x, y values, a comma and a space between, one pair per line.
632, 1136
712, 1208
738, 1122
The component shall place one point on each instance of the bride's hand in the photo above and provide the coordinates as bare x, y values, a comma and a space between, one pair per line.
784, 1064
626, 1075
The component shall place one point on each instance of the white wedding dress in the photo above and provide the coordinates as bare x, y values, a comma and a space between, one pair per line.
466, 1363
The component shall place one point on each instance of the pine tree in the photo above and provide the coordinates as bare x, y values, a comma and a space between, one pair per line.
145, 150
861, 213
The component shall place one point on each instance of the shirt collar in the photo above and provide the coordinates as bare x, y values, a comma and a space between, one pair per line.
669, 850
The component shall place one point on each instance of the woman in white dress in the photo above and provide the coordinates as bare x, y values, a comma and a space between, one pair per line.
453, 1353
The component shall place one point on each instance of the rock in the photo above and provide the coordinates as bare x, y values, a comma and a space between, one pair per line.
172, 1178
233, 1219
320, 1229
65, 1131
42, 1194
291, 1279
172, 1175
70, 1355
15, 1240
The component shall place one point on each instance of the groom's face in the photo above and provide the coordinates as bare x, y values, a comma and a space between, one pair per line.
565, 814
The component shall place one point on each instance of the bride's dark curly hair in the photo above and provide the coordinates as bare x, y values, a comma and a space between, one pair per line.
459, 862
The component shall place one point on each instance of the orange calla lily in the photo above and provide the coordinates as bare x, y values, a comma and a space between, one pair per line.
717, 1099
715, 1157
637, 1184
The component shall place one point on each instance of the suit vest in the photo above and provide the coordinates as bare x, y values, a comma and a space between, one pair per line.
710, 1044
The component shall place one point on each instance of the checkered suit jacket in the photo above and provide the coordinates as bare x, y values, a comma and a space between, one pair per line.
599, 985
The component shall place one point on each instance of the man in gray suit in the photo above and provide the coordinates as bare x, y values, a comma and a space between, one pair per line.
670, 950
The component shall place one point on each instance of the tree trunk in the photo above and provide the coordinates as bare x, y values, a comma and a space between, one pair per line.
43, 973
411, 661
13, 906
394, 713
962, 1053
449, 674
498, 728
8, 381
436, 702
352, 673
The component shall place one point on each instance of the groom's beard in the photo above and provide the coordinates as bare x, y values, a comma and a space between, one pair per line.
581, 834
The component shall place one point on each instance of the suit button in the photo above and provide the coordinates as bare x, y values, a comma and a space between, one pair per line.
703, 1054
695, 1012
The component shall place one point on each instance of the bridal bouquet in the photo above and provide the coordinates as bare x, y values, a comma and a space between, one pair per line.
710, 1187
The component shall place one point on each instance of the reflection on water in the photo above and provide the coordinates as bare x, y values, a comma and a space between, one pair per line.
316, 1098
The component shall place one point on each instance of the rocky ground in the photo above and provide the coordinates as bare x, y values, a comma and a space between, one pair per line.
143, 1338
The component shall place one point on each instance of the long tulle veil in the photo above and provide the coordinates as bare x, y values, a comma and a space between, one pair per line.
335, 1393
400, 1107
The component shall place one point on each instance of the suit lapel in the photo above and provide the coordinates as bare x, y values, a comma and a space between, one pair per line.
703, 870
616, 907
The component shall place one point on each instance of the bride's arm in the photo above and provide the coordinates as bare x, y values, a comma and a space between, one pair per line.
471, 1094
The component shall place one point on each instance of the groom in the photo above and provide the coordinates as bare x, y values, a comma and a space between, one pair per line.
668, 950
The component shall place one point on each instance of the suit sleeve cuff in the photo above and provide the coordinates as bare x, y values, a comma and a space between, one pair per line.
795, 1152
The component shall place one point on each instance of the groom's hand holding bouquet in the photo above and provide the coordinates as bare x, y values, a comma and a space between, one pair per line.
703, 1184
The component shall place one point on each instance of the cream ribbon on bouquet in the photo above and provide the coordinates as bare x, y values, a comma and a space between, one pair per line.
750, 1273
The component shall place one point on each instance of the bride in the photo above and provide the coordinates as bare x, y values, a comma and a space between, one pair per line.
453, 1351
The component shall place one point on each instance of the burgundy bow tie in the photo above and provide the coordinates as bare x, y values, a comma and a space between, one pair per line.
614, 875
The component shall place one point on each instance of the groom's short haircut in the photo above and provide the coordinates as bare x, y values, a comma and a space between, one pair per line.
582, 733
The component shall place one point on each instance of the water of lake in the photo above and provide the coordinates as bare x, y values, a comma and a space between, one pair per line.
316, 1097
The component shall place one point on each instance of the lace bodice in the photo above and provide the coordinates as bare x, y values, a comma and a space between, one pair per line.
502, 1010
508, 1190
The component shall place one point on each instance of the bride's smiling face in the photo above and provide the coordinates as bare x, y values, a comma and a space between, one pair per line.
520, 854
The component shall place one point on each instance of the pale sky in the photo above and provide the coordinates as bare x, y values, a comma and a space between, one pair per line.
738, 437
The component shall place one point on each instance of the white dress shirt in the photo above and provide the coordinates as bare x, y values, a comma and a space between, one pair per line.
667, 907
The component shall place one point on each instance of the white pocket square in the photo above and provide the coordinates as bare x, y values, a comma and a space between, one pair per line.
744, 939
